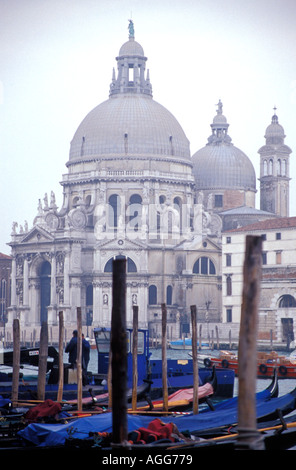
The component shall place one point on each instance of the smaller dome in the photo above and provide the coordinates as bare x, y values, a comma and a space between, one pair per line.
131, 48
219, 119
274, 133
223, 166
220, 165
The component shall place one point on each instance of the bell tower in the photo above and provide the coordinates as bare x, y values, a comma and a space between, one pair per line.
274, 170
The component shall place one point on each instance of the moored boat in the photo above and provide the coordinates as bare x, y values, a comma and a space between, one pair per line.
268, 407
186, 343
179, 371
267, 362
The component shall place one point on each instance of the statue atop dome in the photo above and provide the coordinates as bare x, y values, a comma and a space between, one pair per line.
131, 29
131, 68
220, 107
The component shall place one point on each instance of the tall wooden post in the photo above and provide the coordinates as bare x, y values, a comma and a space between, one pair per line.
109, 377
79, 359
135, 356
248, 436
119, 353
42, 366
164, 358
217, 337
61, 362
194, 359
199, 338
16, 361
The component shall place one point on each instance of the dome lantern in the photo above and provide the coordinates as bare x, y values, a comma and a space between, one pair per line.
131, 64
219, 127
274, 133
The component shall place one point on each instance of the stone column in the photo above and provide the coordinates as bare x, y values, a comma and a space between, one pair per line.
26, 283
52, 308
66, 280
13, 282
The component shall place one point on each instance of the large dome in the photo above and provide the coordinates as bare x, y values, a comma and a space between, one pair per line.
129, 125
221, 165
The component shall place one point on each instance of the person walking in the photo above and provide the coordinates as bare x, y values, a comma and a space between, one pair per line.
85, 358
71, 349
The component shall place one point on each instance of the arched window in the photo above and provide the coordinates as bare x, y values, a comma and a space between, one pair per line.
204, 266
131, 266
3, 287
152, 295
134, 212
265, 168
228, 285
169, 295
75, 201
88, 200
270, 170
89, 295
178, 207
287, 301
114, 210
45, 269
279, 172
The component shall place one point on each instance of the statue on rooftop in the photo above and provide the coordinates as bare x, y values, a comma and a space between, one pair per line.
131, 29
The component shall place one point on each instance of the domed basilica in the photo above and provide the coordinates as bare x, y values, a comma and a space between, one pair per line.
134, 190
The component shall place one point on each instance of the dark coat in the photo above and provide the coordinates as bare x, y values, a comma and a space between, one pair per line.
71, 348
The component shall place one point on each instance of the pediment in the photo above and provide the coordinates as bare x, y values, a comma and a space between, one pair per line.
121, 244
37, 235
199, 242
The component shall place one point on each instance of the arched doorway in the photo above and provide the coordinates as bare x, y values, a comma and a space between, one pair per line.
45, 277
287, 311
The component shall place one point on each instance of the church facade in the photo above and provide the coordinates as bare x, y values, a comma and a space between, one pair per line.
133, 190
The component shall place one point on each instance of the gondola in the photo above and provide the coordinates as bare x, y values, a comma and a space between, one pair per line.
266, 405
103, 398
182, 399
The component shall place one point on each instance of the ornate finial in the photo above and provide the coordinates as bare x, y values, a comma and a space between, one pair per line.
220, 107
274, 119
131, 29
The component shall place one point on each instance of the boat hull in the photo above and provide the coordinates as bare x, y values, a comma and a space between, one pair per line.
264, 369
180, 375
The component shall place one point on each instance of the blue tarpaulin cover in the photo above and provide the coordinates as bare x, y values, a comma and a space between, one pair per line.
225, 414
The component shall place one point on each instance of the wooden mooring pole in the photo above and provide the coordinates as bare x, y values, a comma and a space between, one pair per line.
42, 365
61, 361
194, 359
248, 436
79, 359
16, 361
164, 358
119, 353
135, 357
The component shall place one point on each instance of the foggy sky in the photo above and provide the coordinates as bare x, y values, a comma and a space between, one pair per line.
56, 61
